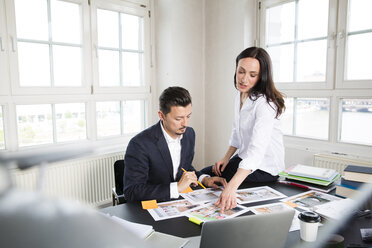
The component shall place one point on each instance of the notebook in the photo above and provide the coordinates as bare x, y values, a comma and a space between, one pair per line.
263, 230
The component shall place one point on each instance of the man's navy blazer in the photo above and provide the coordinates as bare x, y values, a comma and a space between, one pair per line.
148, 165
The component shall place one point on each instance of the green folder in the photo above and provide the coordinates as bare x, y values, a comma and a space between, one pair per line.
308, 179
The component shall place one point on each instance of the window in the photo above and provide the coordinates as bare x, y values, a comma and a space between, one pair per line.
116, 118
306, 117
356, 121
320, 51
48, 123
121, 46
34, 124
4, 68
2, 137
50, 47
297, 42
78, 71
120, 64
355, 37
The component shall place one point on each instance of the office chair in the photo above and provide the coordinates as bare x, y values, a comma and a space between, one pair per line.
118, 191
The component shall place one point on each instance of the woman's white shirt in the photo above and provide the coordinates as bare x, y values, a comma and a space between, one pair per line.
257, 135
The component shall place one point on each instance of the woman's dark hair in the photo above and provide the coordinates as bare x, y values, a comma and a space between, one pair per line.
173, 96
265, 85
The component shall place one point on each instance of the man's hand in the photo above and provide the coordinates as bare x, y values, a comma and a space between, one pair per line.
214, 182
187, 178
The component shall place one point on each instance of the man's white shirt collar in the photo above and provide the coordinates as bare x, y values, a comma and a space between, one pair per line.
168, 138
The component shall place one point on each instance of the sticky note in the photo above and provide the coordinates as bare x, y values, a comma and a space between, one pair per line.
188, 190
291, 204
195, 220
149, 204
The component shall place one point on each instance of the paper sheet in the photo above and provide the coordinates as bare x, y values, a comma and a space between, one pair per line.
257, 194
171, 209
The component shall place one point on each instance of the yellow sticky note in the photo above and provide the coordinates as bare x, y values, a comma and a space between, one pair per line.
149, 204
291, 204
188, 190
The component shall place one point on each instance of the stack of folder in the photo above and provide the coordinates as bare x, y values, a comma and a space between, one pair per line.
310, 177
353, 179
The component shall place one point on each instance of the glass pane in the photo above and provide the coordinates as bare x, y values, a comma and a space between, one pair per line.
66, 29
311, 61
359, 54
33, 62
31, 19
312, 117
133, 116
132, 69
2, 136
130, 31
34, 123
287, 117
359, 13
356, 121
308, 26
108, 66
282, 59
108, 28
67, 66
108, 118
70, 121
280, 23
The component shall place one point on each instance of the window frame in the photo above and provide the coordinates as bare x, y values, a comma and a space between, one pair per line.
17, 89
4, 66
336, 89
127, 8
87, 94
342, 37
332, 12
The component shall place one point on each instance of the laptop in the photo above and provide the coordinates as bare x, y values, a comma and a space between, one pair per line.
262, 230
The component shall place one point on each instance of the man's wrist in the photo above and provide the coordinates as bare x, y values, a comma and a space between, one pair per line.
202, 177
174, 190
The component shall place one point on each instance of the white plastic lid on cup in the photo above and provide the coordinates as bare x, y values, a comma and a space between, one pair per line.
309, 222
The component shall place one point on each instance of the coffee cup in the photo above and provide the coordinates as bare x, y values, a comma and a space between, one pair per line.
309, 222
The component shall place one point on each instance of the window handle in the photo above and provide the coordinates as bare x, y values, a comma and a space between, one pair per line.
96, 50
341, 35
2, 49
13, 44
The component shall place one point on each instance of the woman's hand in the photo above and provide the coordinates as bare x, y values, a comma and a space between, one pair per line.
227, 199
219, 166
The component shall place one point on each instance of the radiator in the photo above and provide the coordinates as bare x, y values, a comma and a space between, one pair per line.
338, 162
88, 180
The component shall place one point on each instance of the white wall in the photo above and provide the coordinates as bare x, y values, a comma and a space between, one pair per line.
227, 23
196, 45
179, 57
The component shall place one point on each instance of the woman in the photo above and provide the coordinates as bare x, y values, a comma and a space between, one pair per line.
256, 133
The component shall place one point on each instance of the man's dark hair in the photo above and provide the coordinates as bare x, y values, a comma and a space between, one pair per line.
173, 96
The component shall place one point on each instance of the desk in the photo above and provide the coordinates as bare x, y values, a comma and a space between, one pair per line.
182, 227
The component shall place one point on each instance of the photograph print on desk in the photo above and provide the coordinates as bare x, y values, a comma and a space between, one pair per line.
257, 194
309, 199
171, 209
203, 195
277, 207
210, 212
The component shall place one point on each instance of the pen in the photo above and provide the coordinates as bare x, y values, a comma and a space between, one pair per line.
294, 184
197, 181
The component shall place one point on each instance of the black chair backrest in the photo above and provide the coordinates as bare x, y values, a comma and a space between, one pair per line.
119, 176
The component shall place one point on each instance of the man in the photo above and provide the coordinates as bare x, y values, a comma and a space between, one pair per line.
155, 157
